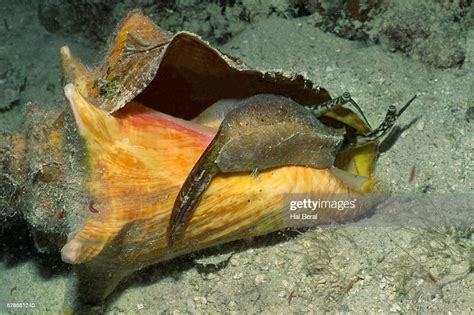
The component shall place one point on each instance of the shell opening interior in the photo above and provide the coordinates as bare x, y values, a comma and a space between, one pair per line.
192, 76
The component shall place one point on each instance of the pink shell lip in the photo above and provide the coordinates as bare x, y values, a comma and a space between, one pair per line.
206, 134
142, 118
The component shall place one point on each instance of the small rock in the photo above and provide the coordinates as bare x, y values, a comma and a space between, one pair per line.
234, 262
395, 308
420, 126
320, 280
238, 276
259, 279
329, 69
210, 276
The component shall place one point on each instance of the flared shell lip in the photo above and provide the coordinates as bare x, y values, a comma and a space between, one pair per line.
231, 62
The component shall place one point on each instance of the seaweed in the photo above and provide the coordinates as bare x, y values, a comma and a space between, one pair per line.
334, 269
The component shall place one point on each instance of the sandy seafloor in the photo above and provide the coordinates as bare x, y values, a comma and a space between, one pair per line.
371, 266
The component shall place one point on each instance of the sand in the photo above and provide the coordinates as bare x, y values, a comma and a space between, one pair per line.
374, 265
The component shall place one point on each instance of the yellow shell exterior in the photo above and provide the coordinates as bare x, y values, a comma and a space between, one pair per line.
138, 158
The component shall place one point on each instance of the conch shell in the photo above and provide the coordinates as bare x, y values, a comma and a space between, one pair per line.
134, 115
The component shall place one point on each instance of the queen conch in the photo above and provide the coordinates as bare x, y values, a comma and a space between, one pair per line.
145, 117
